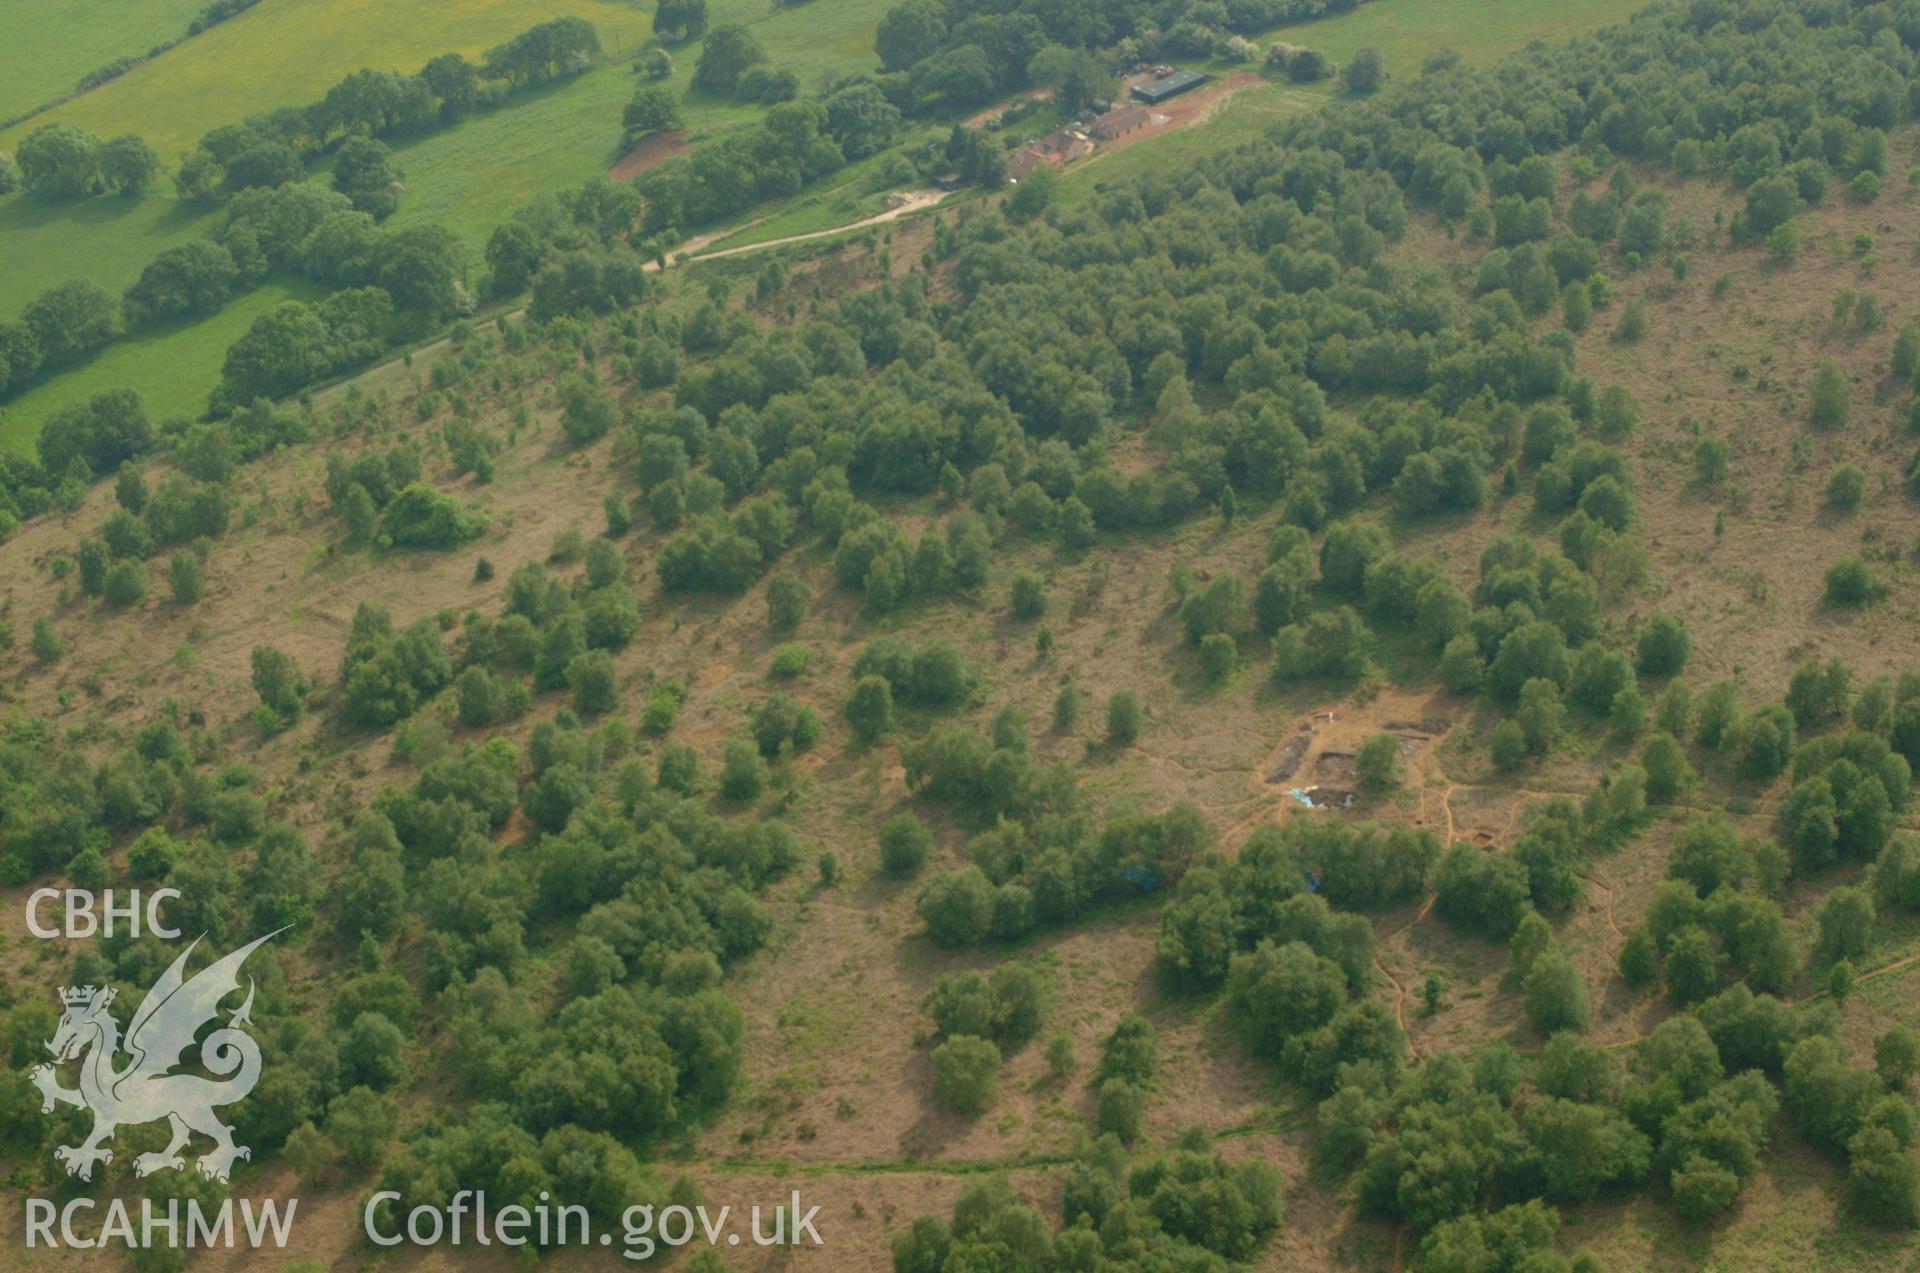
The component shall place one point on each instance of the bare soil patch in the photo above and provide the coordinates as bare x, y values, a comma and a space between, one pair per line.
1336, 766
650, 152
1287, 760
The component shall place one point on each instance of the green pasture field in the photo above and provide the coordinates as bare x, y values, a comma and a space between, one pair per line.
47, 50
472, 175
812, 39
106, 240
471, 178
173, 101
174, 365
290, 52
1481, 32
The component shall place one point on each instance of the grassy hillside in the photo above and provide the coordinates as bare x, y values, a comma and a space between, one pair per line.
46, 52
835, 1095
1300, 706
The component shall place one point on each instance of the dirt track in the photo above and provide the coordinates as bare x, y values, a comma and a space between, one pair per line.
688, 252
917, 201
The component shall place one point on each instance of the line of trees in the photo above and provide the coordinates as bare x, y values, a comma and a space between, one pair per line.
798, 142
62, 161
271, 149
301, 229
261, 165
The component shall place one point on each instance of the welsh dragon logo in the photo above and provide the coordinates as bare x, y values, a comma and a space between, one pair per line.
142, 1090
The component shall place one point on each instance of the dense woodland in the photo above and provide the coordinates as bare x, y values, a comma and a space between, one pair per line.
1244, 324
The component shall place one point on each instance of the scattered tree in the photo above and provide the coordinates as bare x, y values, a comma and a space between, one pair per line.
1377, 763
1366, 72
1831, 397
965, 1074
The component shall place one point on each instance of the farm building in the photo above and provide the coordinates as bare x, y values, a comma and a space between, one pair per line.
1062, 146
1120, 121
1168, 86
